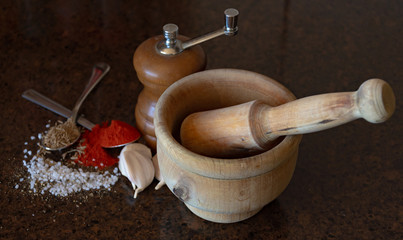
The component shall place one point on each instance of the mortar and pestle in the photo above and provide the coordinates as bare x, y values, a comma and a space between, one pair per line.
231, 190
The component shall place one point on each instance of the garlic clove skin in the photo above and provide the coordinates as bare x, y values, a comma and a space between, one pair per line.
140, 148
135, 163
158, 175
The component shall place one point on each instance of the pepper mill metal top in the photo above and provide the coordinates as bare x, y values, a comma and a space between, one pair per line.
172, 46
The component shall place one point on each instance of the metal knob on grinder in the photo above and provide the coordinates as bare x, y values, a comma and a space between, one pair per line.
171, 45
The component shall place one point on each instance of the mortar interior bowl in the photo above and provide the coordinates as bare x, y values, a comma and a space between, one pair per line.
222, 190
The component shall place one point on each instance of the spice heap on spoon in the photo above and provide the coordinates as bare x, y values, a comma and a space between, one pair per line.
66, 134
118, 134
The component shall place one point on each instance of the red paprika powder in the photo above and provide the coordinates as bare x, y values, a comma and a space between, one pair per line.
103, 135
118, 133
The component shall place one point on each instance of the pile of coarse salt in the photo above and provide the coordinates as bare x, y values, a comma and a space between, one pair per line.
46, 175
60, 180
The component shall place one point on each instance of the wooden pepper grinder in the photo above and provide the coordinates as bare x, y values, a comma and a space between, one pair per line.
162, 60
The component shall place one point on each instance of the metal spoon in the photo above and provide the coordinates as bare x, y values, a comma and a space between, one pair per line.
57, 108
121, 145
98, 72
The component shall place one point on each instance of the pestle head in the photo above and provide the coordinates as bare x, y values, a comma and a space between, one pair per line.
376, 100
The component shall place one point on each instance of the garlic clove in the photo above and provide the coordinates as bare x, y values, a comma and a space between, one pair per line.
135, 163
158, 175
140, 148
141, 170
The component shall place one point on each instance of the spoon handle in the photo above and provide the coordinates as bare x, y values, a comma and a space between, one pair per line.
53, 106
98, 72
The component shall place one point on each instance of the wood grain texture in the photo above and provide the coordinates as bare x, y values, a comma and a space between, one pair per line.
218, 189
157, 72
255, 125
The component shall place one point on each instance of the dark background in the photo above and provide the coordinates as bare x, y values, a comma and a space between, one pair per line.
348, 180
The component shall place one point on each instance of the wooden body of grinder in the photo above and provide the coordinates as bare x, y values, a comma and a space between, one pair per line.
254, 127
162, 60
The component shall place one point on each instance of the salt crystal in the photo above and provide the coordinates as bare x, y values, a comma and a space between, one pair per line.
16, 186
29, 153
60, 180
25, 150
32, 137
39, 135
25, 143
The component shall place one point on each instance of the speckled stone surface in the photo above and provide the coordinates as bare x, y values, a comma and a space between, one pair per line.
348, 180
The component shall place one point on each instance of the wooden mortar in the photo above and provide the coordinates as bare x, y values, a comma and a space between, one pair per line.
216, 189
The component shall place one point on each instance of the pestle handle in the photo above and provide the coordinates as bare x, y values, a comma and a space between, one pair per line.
374, 101
250, 127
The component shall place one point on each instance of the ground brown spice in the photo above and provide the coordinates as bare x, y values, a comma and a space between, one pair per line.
62, 134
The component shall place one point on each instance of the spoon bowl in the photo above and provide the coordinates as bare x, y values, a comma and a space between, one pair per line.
73, 130
119, 145
98, 72
61, 148
117, 134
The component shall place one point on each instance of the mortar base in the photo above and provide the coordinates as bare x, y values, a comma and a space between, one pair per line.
222, 217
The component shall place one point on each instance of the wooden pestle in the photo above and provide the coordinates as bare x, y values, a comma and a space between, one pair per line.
253, 127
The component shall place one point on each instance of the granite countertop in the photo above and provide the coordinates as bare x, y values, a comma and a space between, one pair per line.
348, 180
